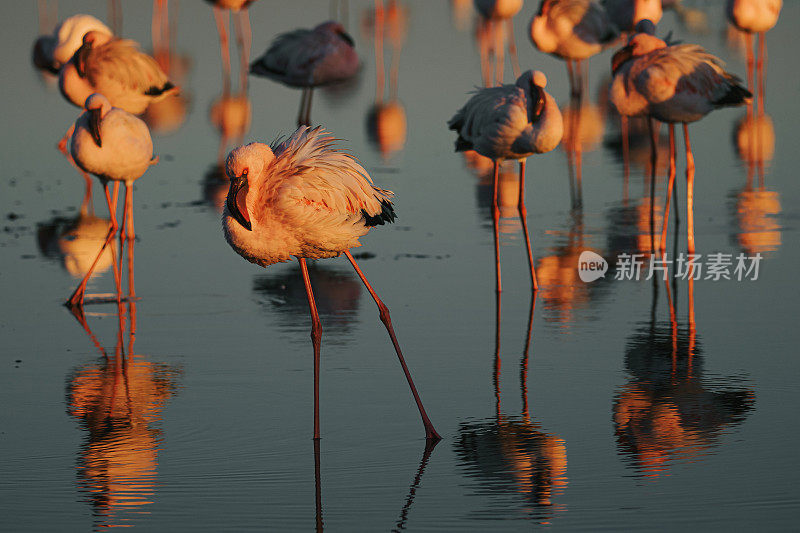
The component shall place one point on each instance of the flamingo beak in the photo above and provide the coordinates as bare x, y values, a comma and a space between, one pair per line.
80, 59
538, 106
237, 183
620, 58
347, 38
95, 118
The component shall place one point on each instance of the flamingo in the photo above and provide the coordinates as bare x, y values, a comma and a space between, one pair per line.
625, 14
117, 69
495, 13
754, 16
572, 30
115, 146
51, 52
674, 84
309, 58
510, 122
306, 199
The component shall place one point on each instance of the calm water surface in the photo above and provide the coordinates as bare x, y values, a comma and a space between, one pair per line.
611, 405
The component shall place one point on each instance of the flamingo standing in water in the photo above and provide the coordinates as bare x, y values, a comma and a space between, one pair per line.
115, 146
674, 84
494, 14
309, 58
510, 122
304, 198
572, 30
754, 16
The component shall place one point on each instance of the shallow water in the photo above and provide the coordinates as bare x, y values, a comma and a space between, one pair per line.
593, 406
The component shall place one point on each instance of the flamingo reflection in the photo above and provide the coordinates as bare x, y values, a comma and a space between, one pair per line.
386, 120
117, 400
584, 124
337, 295
167, 115
74, 243
514, 455
669, 411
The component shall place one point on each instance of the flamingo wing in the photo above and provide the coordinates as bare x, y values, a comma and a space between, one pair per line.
491, 120
316, 180
292, 56
120, 61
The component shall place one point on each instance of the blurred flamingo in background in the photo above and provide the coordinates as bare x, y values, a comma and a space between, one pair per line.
115, 146
304, 198
625, 14
572, 30
53, 51
497, 22
510, 122
386, 119
244, 36
754, 16
309, 58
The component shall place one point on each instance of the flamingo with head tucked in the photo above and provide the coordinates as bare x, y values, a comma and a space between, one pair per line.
115, 146
674, 84
510, 122
303, 198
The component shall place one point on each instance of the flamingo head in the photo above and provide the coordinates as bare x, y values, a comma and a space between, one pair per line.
98, 107
638, 45
337, 29
534, 82
243, 165
43, 54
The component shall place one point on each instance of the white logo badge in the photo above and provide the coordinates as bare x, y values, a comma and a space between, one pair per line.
591, 266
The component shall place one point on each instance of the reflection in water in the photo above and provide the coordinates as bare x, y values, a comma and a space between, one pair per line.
386, 119
118, 401
74, 242
560, 288
493, 30
584, 124
629, 227
215, 187
168, 114
337, 295
507, 192
758, 229
669, 411
230, 114
513, 455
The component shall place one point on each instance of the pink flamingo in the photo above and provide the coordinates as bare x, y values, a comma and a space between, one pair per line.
243, 35
674, 84
754, 16
304, 198
308, 59
510, 122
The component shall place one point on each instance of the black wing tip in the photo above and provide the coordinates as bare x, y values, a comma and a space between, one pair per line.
736, 95
158, 91
387, 214
260, 68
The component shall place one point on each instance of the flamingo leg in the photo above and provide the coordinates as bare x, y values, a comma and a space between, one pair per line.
316, 337
430, 432
654, 129
670, 185
571, 75
512, 48
131, 235
224, 49
523, 216
498, 363
499, 48
300, 113
244, 38
307, 120
623, 120
76, 300
760, 64
496, 226
689, 191
750, 60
